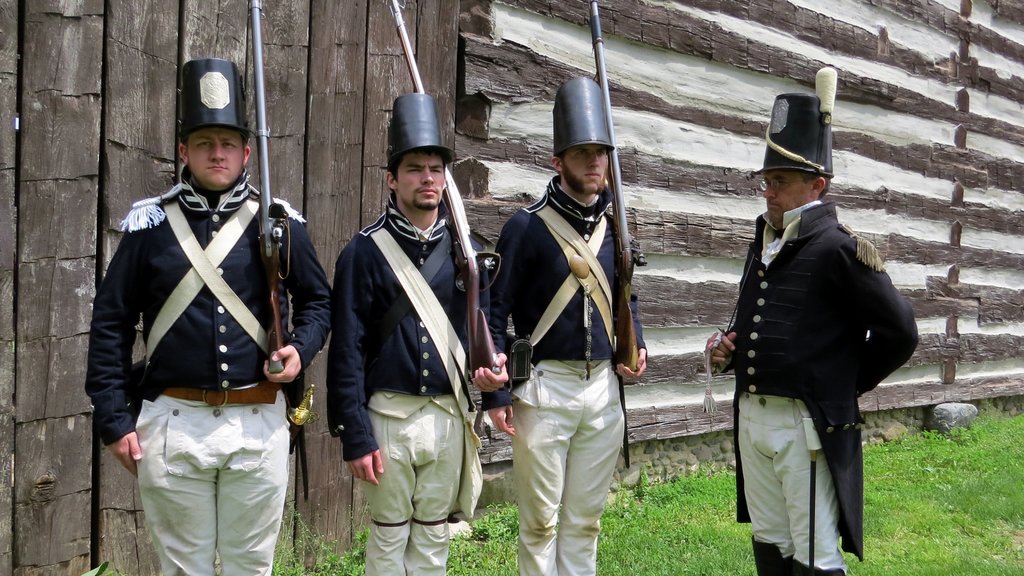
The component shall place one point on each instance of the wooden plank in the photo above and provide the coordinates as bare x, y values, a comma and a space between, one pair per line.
53, 493
59, 171
140, 148
334, 154
125, 541
437, 53
387, 76
215, 29
8, 226
285, 51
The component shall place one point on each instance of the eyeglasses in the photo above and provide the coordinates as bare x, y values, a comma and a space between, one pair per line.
775, 183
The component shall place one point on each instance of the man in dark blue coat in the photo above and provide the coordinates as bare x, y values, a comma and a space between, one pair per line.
397, 364
818, 323
559, 286
210, 444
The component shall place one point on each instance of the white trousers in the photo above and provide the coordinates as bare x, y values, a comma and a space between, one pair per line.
568, 435
213, 480
776, 481
409, 509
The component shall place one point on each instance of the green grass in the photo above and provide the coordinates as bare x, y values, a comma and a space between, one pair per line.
934, 505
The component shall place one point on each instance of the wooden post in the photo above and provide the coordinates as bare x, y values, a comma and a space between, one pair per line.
8, 226
139, 146
334, 156
57, 189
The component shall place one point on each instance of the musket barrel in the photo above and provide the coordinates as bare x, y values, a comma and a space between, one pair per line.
262, 131
403, 35
269, 238
602, 74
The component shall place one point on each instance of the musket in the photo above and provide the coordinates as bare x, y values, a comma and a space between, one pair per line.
625, 333
273, 222
482, 353
272, 216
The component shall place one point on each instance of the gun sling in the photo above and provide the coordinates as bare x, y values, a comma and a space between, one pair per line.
573, 244
204, 272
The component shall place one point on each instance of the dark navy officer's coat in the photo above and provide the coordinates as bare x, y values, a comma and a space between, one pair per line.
821, 326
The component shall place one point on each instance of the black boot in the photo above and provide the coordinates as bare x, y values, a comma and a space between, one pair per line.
769, 561
801, 570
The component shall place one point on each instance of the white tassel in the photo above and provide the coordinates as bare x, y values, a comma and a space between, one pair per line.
710, 407
147, 213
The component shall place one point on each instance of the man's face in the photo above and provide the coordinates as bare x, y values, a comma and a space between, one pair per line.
418, 182
785, 190
215, 156
583, 169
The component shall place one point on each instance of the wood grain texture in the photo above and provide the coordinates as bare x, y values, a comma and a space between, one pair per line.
334, 156
140, 149
8, 264
387, 76
57, 210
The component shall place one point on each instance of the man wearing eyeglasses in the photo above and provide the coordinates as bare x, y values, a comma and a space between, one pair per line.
818, 323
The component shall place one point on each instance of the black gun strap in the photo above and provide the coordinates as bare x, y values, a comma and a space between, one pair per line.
403, 305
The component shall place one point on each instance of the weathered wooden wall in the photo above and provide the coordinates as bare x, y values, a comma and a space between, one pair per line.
8, 263
96, 83
929, 155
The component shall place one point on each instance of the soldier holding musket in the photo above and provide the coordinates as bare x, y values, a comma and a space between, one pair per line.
558, 283
817, 324
397, 367
210, 444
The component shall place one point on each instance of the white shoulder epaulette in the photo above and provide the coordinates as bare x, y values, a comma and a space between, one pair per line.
292, 212
148, 212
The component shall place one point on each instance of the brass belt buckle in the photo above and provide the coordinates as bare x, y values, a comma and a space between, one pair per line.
224, 403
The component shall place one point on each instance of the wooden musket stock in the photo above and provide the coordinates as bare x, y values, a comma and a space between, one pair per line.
625, 334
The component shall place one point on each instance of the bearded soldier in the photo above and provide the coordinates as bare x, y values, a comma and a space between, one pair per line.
210, 446
818, 323
396, 395
558, 283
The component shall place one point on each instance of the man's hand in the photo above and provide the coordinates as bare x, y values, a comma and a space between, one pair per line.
367, 467
641, 366
722, 352
487, 381
502, 419
288, 356
128, 452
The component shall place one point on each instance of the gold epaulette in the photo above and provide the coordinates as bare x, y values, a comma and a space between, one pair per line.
866, 251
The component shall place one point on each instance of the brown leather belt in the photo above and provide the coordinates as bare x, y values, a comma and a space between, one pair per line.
262, 393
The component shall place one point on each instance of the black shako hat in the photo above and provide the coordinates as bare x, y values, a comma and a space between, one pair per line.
579, 116
414, 126
799, 135
211, 95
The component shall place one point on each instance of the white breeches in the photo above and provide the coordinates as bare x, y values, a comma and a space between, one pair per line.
776, 480
568, 435
409, 509
213, 481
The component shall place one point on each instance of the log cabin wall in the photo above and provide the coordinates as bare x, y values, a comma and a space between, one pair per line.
929, 161
928, 154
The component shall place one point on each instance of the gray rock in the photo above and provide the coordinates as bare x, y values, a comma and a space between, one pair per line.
951, 415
